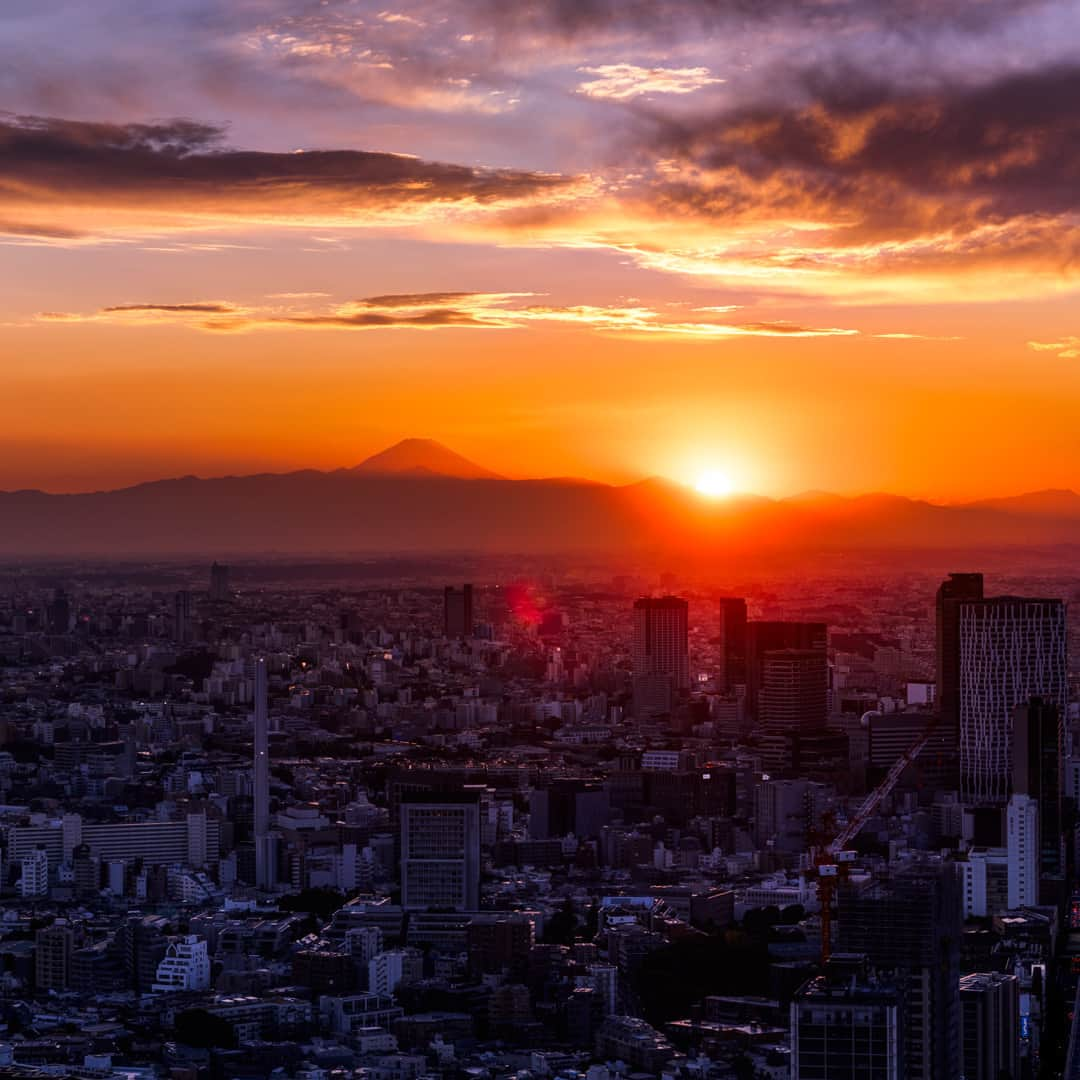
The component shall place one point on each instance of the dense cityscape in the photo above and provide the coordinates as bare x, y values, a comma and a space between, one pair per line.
287, 820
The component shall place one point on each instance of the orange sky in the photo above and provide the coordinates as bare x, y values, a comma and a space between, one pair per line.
609, 253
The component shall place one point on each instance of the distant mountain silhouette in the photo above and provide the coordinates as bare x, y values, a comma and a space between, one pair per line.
1054, 502
424, 457
420, 497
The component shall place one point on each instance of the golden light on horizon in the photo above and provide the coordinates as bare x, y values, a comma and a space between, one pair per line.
714, 483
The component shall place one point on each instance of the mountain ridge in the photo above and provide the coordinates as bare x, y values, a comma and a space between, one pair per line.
410, 507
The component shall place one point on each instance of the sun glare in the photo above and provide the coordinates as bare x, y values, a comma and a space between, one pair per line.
714, 484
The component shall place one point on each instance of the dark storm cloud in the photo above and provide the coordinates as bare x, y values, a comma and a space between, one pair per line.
977, 155
179, 167
571, 18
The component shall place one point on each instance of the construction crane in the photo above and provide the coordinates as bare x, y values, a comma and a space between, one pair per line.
833, 861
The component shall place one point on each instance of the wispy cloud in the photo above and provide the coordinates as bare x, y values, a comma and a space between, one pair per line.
621, 82
1068, 348
441, 310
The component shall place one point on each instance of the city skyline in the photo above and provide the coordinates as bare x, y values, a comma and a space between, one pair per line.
765, 246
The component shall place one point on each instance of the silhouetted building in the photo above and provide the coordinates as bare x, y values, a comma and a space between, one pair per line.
219, 583
732, 610
908, 926
58, 613
794, 691
458, 612
182, 629
771, 636
1038, 771
990, 1026
951, 593
660, 653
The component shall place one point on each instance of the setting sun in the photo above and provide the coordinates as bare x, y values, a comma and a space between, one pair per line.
714, 483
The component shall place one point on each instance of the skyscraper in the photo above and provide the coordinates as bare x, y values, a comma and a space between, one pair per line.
458, 612
440, 850
732, 612
661, 644
990, 1026
182, 616
956, 589
58, 613
1011, 650
1022, 844
1038, 771
909, 927
772, 636
219, 583
265, 870
794, 691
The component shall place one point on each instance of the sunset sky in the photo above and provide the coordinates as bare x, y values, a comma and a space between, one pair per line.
807, 244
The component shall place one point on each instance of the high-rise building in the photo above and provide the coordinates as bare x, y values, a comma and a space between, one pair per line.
956, 589
1038, 771
458, 612
794, 691
440, 850
34, 876
52, 956
909, 927
772, 636
182, 630
990, 1026
660, 653
1022, 844
1011, 650
732, 641
219, 583
845, 1027
58, 613
265, 869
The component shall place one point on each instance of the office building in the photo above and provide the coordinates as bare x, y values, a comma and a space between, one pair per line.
660, 653
773, 636
908, 925
58, 613
990, 1026
1012, 649
219, 590
951, 593
440, 850
458, 612
1038, 771
732, 641
847, 1028
794, 691
1022, 844
182, 628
